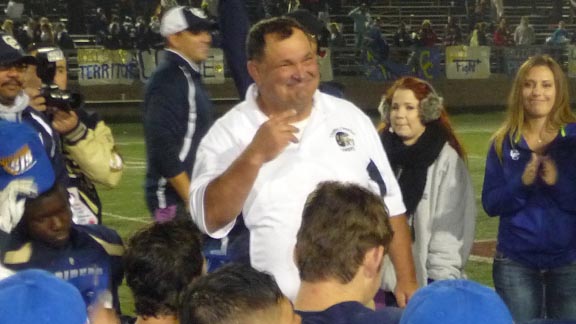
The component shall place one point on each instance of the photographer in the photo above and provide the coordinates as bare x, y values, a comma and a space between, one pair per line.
87, 142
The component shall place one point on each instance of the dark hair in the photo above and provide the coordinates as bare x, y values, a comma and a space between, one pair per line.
231, 294
160, 261
38, 202
282, 27
340, 223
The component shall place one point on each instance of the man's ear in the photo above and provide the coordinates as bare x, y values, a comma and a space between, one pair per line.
253, 71
373, 259
172, 40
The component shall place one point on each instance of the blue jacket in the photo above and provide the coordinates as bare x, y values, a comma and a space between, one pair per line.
91, 261
177, 114
537, 222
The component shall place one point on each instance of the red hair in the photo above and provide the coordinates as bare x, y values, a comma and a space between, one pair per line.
421, 90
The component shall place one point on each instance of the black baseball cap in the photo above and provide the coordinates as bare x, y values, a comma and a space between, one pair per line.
11, 52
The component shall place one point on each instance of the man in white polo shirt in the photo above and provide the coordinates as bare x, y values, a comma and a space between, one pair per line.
266, 155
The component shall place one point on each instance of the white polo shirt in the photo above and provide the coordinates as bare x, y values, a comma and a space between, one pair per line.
339, 143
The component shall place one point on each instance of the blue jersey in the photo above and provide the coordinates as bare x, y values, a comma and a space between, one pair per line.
91, 261
352, 313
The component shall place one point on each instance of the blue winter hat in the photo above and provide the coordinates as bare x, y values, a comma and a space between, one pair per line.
455, 302
39, 297
22, 155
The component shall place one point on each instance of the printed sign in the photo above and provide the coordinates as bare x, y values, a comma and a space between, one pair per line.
100, 66
465, 62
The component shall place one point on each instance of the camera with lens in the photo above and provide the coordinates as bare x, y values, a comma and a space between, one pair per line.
46, 70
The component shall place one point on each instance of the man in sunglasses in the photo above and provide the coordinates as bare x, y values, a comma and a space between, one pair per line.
14, 103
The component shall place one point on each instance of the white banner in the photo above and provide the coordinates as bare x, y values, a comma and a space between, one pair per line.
464, 62
101, 67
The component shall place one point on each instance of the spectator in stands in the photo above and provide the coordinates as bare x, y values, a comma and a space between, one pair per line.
127, 33
142, 34
273, 8
160, 261
88, 257
177, 112
239, 294
529, 183
524, 33
340, 248
452, 33
477, 15
32, 29
376, 46
8, 27
478, 36
361, 17
502, 35
456, 301
498, 9
402, 38
336, 37
426, 36
46, 33
156, 39
429, 163
559, 36
87, 142
114, 33
99, 26
61, 37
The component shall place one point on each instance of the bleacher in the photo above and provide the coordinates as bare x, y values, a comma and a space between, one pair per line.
346, 61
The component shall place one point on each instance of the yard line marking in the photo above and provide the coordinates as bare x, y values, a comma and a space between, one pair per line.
136, 162
135, 167
481, 259
137, 220
130, 143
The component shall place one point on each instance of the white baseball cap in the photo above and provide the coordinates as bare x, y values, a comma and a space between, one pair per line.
182, 18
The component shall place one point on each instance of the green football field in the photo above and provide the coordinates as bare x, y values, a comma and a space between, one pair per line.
125, 210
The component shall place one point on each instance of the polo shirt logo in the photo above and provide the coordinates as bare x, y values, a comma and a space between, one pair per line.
344, 138
19, 162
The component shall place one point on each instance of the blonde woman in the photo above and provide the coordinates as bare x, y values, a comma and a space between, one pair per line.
530, 183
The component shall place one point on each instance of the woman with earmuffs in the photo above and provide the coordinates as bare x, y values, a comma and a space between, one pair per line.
430, 165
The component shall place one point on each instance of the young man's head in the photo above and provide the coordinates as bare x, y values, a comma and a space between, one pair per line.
187, 31
236, 294
50, 59
344, 234
48, 218
160, 261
